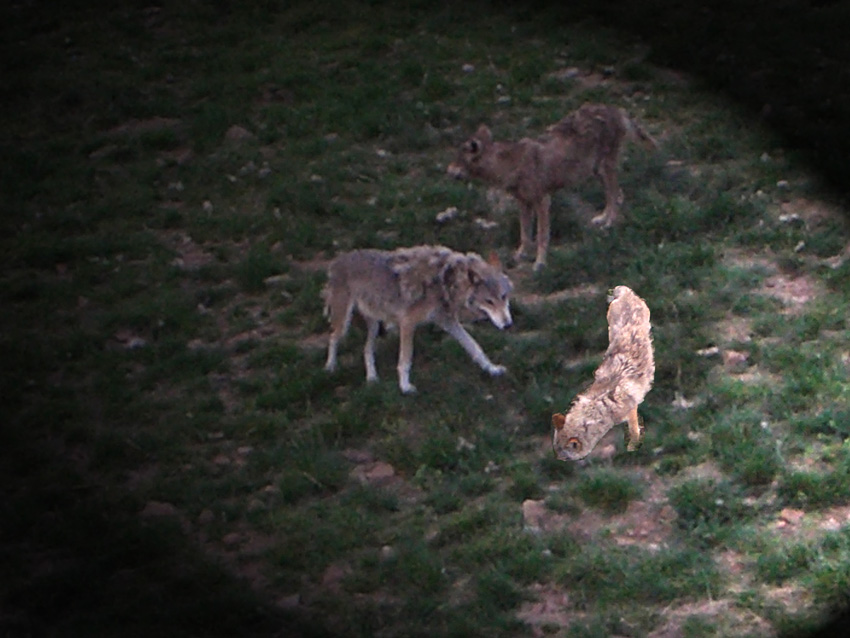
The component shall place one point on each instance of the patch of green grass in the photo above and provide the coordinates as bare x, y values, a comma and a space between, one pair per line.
607, 490
709, 512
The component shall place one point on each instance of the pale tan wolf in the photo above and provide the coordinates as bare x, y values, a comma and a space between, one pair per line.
410, 286
619, 384
586, 142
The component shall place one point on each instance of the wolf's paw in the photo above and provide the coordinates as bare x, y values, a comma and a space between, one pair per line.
408, 389
602, 220
539, 265
496, 371
373, 378
330, 367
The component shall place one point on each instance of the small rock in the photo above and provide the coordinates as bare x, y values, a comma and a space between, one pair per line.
157, 508
208, 206
289, 602
735, 358
374, 473
238, 133
447, 215
206, 517
533, 515
791, 516
503, 99
485, 224
387, 553
782, 183
468, 68
232, 539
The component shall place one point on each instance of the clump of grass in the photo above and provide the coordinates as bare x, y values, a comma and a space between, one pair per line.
709, 512
746, 447
608, 490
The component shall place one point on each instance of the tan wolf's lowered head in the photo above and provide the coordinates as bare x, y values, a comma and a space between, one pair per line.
585, 143
410, 286
619, 384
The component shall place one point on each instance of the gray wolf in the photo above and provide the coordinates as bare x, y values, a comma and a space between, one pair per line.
619, 384
409, 286
586, 142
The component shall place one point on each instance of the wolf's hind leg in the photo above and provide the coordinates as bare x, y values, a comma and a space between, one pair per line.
339, 310
543, 231
405, 355
613, 193
372, 326
526, 230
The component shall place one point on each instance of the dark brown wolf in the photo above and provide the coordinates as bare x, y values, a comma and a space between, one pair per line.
586, 142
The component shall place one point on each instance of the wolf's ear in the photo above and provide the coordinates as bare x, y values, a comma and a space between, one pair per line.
483, 133
474, 276
558, 421
453, 270
493, 260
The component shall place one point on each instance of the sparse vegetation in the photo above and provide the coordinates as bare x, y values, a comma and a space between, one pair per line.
176, 462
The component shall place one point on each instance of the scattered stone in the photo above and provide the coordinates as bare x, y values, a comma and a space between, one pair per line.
232, 539
154, 509
533, 515
289, 602
735, 358
376, 473
208, 206
485, 224
265, 171
238, 133
206, 517
708, 352
358, 456
468, 68
782, 183
333, 576
463, 444
387, 553
791, 516
447, 215
503, 99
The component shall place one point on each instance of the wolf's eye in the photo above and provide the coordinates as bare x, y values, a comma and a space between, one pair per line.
489, 301
574, 444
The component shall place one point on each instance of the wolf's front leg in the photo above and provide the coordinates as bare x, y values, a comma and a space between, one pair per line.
472, 348
405, 356
543, 231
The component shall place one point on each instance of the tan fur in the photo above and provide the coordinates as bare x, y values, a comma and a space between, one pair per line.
619, 384
586, 142
410, 286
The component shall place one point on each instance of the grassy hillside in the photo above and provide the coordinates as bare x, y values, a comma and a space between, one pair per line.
175, 461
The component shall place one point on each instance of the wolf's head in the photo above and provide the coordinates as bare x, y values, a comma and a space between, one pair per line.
489, 290
470, 154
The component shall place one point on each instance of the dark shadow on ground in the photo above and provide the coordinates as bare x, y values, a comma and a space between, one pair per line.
786, 60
